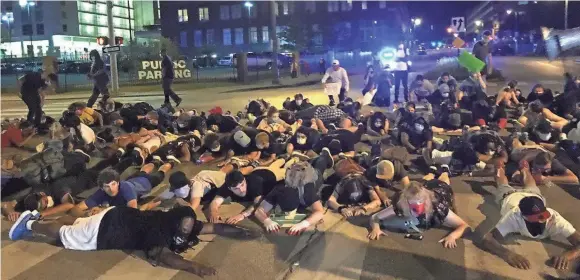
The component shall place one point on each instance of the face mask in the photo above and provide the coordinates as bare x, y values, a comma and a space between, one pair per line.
180, 242
298, 102
378, 124
182, 192
216, 148
419, 127
535, 229
50, 202
417, 207
301, 140
445, 94
181, 125
355, 197
545, 137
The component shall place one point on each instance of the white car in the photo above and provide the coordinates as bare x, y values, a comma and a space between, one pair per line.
225, 61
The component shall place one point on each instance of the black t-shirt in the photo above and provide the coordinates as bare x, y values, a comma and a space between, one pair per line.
481, 50
418, 139
557, 169
147, 125
31, 84
287, 196
400, 173
552, 140
255, 187
225, 124
347, 140
125, 228
167, 66
312, 138
546, 98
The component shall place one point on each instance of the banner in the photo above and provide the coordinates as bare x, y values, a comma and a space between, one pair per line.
151, 70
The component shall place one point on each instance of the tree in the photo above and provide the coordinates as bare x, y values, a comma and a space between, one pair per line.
297, 35
135, 52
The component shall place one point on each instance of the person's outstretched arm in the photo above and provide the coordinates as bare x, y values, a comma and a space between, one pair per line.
493, 246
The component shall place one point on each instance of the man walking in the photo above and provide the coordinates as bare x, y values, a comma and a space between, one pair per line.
338, 76
167, 78
401, 72
481, 52
32, 87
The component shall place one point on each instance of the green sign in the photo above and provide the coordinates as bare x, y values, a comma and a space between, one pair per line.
469, 61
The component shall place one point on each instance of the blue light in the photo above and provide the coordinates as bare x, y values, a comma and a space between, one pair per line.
433, 44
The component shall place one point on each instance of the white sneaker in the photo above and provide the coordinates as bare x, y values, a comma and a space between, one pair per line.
173, 159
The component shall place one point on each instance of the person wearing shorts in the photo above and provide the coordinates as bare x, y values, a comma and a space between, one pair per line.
161, 235
114, 192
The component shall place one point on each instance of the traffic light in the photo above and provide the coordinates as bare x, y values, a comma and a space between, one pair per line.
118, 40
103, 40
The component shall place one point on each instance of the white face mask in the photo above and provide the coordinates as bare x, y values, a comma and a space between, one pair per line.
301, 140
545, 137
378, 124
445, 94
182, 192
298, 102
181, 125
50, 202
419, 127
216, 149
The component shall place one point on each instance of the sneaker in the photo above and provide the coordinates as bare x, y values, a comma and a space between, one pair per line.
87, 157
157, 160
433, 169
173, 159
326, 153
331, 127
524, 137
332, 103
137, 156
445, 168
177, 102
19, 230
300, 156
120, 152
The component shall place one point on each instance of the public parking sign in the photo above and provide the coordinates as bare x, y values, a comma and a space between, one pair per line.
111, 49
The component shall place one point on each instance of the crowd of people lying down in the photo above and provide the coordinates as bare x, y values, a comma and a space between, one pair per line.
297, 159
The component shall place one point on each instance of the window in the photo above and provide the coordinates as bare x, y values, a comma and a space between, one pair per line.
253, 35
182, 15
40, 29
227, 37
265, 34
224, 12
64, 28
285, 8
333, 6
203, 14
209, 37
346, 6
363, 5
239, 36
183, 39
197, 38
27, 29
311, 6
236, 11
382, 4
63, 14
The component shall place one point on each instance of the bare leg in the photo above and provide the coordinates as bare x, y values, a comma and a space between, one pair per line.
165, 168
50, 229
148, 168
186, 155
500, 178
529, 181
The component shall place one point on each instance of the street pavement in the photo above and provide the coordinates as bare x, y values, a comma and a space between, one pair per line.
335, 249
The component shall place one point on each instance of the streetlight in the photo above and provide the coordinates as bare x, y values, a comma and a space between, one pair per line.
478, 23
449, 30
27, 4
249, 5
417, 21
509, 12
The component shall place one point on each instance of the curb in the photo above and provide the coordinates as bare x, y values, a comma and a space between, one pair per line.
292, 260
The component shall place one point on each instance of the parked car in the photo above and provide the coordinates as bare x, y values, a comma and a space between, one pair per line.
263, 60
225, 61
421, 50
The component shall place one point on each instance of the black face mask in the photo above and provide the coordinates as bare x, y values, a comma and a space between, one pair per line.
183, 239
535, 229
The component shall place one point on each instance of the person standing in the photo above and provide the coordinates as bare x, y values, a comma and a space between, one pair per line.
321, 66
100, 78
481, 51
32, 87
167, 76
337, 75
401, 72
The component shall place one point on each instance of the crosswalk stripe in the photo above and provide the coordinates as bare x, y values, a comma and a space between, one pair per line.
23, 255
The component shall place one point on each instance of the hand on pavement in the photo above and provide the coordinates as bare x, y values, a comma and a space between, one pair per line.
375, 234
235, 219
298, 228
517, 261
13, 216
214, 219
449, 241
561, 261
202, 270
271, 226
347, 212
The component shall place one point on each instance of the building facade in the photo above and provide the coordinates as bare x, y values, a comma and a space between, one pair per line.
225, 27
67, 29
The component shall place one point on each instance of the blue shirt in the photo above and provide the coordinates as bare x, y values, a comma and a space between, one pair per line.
128, 190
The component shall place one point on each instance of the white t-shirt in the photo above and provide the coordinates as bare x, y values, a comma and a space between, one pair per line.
513, 222
205, 180
82, 234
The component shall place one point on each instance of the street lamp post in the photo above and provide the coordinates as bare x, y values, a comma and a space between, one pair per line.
517, 30
27, 4
566, 15
414, 23
249, 5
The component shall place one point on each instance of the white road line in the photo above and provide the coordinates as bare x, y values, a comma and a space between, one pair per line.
23, 255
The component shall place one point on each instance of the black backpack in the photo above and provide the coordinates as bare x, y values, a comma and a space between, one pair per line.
142, 108
43, 167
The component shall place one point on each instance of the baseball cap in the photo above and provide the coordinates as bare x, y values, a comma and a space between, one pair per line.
178, 180
242, 138
534, 209
385, 170
335, 62
454, 120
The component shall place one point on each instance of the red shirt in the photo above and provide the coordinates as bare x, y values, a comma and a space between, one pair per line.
11, 136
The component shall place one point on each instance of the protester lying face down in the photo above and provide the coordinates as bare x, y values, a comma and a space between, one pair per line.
386, 172
257, 108
350, 107
221, 123
544, 133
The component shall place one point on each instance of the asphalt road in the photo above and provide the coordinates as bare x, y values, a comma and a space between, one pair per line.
342, 252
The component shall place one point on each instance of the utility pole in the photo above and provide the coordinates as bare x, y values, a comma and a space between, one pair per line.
274, 38
565, 14
114, 73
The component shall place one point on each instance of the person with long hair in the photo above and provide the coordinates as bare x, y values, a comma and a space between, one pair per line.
100, 78
419, 207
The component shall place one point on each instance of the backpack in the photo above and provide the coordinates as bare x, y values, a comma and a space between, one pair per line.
142, 108
43, 167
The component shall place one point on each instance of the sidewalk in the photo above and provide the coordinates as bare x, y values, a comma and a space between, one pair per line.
186, 89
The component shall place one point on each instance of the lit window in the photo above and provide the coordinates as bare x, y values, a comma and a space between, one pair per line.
363, 5
103, 31
103, 8
285, 8
209, 36
89, 29
203, 14
88, 18
87, 6
239, 36
182, 15
253, 35
346, 6
265, 34
227, 36
103, 20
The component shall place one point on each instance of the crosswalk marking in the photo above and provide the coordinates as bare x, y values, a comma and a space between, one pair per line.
21, 256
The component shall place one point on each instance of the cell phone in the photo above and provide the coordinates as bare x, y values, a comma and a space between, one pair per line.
414, 236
